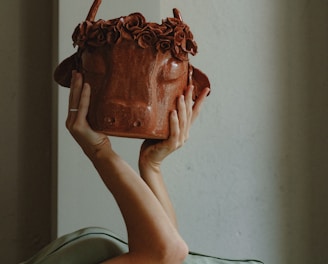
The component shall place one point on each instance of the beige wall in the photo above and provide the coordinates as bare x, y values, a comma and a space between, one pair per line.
25, 134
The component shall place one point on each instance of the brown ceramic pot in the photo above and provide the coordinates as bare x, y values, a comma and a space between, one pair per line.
136, 70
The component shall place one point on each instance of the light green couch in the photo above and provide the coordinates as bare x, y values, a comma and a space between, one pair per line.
93, 245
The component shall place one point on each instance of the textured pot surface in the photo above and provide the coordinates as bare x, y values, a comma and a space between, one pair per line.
136, 70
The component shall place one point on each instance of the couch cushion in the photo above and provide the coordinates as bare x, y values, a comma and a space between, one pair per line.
195, 258
94, 245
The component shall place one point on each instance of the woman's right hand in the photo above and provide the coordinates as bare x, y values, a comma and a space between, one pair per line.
91, 142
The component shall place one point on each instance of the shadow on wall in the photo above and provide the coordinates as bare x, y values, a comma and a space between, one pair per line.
35, 121
302, 136
318, 131
308, 133
26, 125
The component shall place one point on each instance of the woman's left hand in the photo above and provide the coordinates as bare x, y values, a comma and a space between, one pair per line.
153, 152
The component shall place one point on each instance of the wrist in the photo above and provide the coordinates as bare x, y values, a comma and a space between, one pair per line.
149, 168
107, 162
101, 154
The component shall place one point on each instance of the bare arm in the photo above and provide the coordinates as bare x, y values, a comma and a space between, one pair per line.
153, 153
152, 237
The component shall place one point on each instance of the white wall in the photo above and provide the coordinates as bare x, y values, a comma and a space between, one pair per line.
243, 185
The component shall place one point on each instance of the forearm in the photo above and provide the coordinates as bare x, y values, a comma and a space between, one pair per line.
149, 227
152, 176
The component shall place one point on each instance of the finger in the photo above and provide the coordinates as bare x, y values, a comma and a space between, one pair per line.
189, 104
70, 91
174, 130
69, 116
74, 97
182, 116
76, 89
84, 103
198, 103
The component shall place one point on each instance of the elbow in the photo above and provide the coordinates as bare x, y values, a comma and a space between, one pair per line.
179, 253
173, 253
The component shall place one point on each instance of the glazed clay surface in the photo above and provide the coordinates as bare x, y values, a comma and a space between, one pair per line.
139, 111
136, 70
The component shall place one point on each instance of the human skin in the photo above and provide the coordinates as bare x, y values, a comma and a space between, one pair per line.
144, 202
